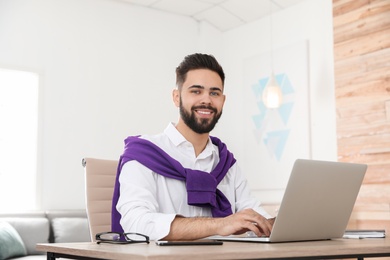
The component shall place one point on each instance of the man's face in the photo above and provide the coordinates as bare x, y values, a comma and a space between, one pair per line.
201, 100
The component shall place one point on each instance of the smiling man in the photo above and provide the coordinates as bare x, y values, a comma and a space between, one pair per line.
184, 184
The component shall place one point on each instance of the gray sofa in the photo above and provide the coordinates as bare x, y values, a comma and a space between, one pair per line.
55, 226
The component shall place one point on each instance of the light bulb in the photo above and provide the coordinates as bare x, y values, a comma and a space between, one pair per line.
272, 94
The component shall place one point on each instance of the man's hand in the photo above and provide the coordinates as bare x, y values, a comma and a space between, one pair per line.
195, 228
246, 220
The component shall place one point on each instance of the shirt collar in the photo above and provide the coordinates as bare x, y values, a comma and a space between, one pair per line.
174, 135
177, 139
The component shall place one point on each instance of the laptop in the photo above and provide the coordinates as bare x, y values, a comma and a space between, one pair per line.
317, 202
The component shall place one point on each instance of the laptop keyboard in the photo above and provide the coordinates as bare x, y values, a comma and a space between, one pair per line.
252, 234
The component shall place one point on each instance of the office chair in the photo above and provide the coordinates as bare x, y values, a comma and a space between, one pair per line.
99, 187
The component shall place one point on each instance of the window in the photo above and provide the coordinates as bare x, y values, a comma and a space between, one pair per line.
18, 139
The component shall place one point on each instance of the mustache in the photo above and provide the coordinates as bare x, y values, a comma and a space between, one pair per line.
205, 107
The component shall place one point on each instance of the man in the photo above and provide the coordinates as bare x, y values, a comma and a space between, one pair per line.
183, 184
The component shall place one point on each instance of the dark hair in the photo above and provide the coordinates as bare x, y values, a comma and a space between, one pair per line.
197, 61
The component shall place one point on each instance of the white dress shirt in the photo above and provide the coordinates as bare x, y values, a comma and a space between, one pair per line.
149, 202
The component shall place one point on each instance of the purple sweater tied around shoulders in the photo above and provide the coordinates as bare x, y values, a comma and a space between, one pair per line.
201, 186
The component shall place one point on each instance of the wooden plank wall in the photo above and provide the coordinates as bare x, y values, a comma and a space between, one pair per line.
362, 81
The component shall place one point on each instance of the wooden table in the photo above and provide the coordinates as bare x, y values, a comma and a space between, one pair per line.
330, 249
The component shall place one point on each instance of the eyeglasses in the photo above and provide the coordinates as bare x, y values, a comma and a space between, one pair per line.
121, 238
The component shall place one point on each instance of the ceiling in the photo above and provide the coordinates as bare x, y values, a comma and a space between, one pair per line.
222, 14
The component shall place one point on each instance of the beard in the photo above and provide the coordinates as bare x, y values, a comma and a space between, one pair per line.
202, 125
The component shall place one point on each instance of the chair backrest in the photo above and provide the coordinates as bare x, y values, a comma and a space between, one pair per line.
99, 187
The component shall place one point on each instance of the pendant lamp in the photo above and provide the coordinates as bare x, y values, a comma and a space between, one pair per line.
272, 93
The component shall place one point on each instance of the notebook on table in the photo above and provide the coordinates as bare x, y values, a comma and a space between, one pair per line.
317, 202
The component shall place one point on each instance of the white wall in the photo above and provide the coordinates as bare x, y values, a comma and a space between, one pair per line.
107, 71
309, 21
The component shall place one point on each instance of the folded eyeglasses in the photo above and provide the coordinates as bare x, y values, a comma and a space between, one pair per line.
121, 238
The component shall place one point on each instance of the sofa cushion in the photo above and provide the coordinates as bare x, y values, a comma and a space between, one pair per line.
31, 257
70, 230
32, 230
52, 214
11, 244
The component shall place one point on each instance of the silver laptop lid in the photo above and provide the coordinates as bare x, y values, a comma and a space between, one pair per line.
318, 200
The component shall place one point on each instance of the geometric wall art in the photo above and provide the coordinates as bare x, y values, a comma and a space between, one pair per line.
275, 137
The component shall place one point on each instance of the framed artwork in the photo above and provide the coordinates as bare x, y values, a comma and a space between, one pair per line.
275, 137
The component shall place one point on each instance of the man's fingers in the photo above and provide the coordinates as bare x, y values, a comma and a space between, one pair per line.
248, 220
262, 224
254, 228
